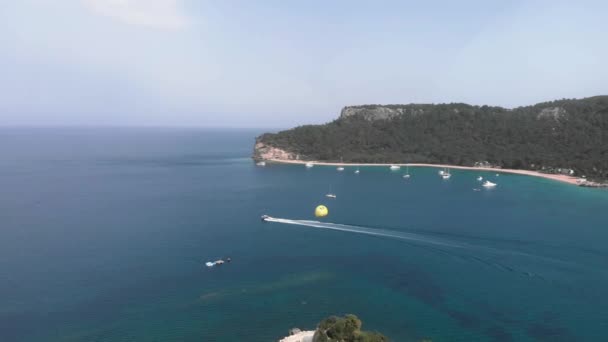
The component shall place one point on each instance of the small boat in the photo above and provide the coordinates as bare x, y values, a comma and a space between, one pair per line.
340, 168
309, 165
441, 172
445, 174
479, 179
357, 171
395, 167
488, 184
330, 195
209, 264
266, 218
407, 172
497, 174
262, 163
476, 189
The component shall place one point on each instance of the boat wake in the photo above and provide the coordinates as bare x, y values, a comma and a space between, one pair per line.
370, 231
490, 256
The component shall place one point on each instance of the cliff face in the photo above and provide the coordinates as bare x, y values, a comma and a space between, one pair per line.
262, 151
375, 112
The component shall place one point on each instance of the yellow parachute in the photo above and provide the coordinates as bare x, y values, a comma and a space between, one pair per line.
321, 211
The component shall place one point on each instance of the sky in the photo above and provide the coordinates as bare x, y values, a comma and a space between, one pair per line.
279, 63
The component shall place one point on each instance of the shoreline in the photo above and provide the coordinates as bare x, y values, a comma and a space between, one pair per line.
555, 177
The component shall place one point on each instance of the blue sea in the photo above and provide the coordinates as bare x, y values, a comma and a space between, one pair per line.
104, 233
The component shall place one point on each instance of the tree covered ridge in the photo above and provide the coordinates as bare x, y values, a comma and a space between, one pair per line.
568, 133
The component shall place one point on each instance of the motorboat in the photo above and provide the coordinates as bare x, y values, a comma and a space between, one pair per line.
407, 172
357, 171
309, 165
331, 196
261, 163
217, 262
340, 168
266, 218
479, 179
445, 174
395, 167
488, 184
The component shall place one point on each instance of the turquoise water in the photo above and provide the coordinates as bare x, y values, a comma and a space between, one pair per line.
105, 232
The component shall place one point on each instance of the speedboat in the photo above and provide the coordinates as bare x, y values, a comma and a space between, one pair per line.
357, 171
488, 184
395, 167
262, 163
340, 168
446, 175
309, 165
209, 264
407, 175
330, 196
479, 179
265, 218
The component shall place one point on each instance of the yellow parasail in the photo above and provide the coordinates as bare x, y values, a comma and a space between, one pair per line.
321, 211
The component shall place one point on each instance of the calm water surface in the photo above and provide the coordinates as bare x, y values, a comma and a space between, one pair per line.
104, 234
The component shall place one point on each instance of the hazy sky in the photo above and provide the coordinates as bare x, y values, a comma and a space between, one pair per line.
280, 63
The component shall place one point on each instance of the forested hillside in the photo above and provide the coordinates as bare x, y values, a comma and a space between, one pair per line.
570, 134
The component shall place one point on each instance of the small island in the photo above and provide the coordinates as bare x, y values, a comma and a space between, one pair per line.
562, 140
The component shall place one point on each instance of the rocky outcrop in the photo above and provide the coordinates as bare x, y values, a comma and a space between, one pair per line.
555, 113
266, 152
373, 112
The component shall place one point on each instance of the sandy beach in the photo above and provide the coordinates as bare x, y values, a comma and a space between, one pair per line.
304, 336
559, 178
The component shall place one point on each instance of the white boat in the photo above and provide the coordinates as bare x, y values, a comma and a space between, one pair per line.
445, 174
479, 179
340, 168
395, 167
441, 172
330, 196
309, 165
488, 184
407, 172
357, 171
262, 163
209, 264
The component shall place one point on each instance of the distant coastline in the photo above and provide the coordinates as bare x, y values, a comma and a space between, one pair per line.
555, 177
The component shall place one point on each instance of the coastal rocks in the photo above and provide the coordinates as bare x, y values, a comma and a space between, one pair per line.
591, 184
266, 152
296, 335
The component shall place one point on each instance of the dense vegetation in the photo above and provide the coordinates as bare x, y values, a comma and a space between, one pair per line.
345, 329
570, 134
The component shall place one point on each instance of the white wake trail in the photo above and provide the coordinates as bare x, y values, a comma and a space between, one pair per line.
368, 231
